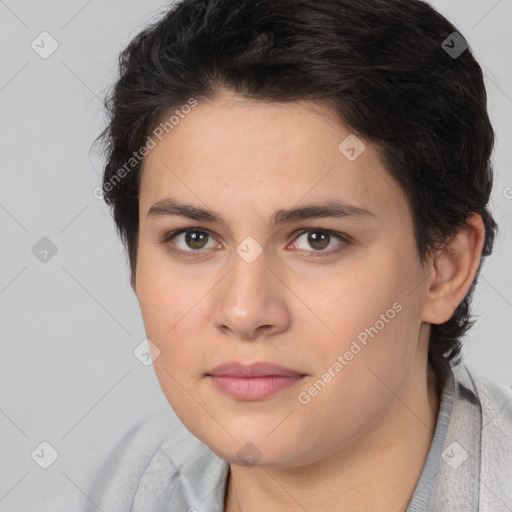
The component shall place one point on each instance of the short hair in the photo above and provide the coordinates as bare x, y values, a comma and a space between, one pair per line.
380, 65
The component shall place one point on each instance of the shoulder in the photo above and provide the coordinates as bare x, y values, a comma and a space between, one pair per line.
157, 460
495, 399
495, 433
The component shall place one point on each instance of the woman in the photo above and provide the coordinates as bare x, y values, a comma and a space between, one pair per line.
302, 187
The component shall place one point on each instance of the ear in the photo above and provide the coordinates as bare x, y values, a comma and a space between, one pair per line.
453, 271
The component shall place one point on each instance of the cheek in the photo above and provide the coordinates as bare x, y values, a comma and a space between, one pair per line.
368, 362
163, 293
169, 321
159, 303
354, 302
172, 304
373, 322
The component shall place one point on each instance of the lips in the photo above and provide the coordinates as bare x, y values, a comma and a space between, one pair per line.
252, 382
252, 370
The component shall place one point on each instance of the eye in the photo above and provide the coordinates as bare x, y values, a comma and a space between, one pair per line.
187, 242
190, 242
320, 240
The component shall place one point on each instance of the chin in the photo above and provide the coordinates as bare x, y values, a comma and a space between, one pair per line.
248, 448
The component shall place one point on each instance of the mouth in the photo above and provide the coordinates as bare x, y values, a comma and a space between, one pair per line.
253, 382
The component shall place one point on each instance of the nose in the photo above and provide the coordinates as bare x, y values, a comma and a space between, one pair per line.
251, 301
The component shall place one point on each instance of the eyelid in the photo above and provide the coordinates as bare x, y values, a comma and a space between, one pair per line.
342, 237
168, 236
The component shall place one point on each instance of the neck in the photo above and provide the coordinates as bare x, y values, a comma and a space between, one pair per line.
377, 475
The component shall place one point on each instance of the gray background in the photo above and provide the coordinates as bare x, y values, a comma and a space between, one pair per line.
68, 326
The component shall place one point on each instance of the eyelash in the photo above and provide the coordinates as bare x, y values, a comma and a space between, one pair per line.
344, 239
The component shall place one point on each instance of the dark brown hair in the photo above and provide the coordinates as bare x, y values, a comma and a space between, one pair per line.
380, 64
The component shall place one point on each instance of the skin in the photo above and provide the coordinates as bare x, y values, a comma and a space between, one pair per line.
361, 442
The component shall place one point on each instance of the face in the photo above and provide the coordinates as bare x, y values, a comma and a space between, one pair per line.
331, 294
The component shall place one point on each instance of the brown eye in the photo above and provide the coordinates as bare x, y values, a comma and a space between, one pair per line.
189, 242
196, 239
318, 240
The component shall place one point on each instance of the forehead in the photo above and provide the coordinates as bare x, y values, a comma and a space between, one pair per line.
266, 156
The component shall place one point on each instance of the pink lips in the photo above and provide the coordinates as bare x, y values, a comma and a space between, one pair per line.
252, 382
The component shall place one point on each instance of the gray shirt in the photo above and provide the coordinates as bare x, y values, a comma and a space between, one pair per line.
160, 466
423, 492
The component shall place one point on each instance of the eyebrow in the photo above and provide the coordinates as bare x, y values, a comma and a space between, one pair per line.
333, 208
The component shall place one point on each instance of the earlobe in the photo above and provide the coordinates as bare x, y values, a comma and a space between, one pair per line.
453, 271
